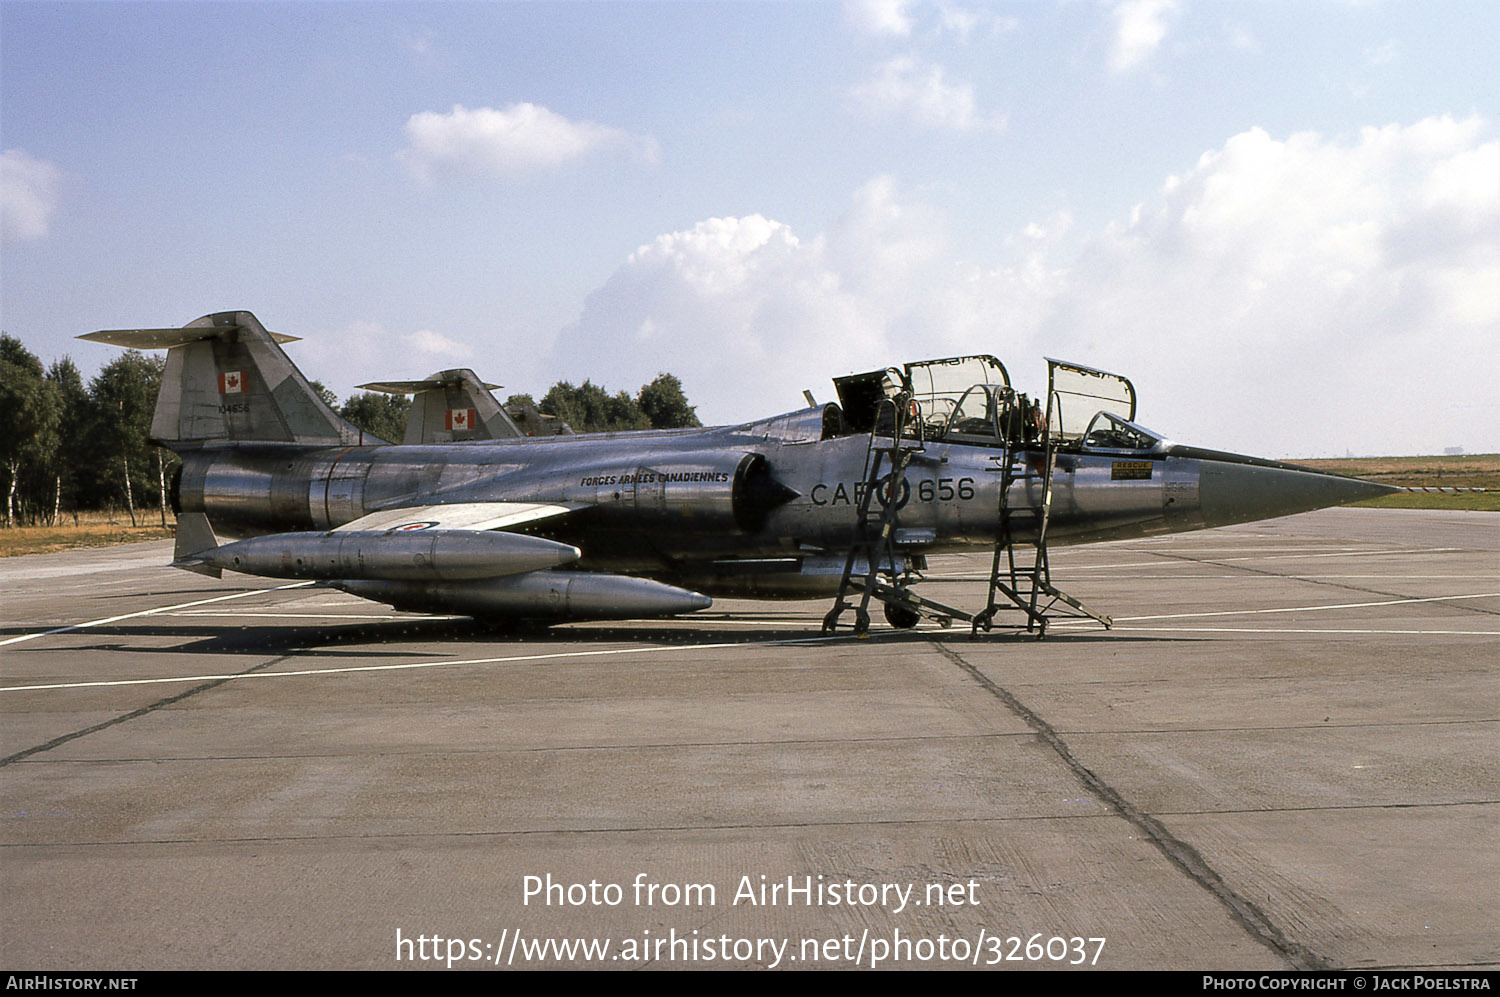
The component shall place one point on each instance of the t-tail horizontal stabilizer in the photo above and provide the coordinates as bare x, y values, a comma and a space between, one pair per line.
226, 379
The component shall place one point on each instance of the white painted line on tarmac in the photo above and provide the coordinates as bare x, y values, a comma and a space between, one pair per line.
315, 616
1305, 609
148, 612
1077, 576
418, 617
414, 665
1188, 559
1402, 552
1307, 630
745, 620
1486, 576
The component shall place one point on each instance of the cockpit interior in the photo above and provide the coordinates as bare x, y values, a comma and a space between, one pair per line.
969, 400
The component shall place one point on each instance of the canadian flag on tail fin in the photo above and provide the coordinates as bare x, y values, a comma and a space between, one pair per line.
232, 382
461, 418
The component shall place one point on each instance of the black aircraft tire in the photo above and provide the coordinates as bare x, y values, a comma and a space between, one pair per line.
900, 617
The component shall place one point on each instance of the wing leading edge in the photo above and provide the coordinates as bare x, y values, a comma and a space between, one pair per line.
458, 516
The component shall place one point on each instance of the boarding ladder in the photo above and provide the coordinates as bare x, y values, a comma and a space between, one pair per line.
1020, 576
872, 566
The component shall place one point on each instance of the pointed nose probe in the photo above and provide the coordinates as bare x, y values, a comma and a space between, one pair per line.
1238, 489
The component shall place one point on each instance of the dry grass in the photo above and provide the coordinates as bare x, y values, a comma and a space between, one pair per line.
93, 529
1465, 471
1468, 470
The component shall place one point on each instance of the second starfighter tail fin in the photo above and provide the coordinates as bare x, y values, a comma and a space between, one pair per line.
226, 379
451, 406
533, 423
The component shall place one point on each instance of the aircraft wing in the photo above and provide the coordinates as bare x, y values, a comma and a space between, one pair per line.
442, 558
427, 543
458, 516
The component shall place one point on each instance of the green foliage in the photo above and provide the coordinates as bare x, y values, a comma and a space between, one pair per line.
18, 358
124, 398
329, 398
70, 465
29, 412
379, 414
665, 405
520, 399
588, 408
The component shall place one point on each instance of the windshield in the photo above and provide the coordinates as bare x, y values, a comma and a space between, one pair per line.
1108, 431
974, 415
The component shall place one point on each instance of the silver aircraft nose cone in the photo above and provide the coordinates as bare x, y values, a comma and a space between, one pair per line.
1246, 489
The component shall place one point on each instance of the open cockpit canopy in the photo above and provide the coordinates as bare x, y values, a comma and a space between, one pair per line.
941, 388
969, 400
933, 391
1078, 394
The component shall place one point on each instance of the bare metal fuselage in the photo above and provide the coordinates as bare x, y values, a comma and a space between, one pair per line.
472, 516
734, 510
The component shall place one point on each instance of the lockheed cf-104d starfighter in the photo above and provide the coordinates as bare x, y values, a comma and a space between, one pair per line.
510, 516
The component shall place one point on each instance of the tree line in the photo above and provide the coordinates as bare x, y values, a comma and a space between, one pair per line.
68, 447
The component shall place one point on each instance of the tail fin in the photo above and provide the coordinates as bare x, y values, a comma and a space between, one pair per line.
534, 423
451, 406
226, 379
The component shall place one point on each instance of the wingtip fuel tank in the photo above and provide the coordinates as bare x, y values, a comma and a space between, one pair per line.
423, 555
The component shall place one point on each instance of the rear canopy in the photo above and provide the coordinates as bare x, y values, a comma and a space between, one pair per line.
1077, 393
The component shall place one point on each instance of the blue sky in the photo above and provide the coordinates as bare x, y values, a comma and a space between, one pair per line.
1282, 221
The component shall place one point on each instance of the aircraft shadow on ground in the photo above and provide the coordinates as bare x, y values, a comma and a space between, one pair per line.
380, 638
188, 593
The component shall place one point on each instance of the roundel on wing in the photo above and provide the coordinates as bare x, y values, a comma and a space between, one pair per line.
425, 524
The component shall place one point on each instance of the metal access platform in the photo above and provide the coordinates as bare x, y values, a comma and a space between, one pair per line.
966, 400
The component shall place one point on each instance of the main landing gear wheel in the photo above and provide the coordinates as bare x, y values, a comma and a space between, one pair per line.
901, 617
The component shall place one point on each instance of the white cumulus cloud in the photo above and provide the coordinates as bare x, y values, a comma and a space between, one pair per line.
509, 141
1327, 293
748, 313
909, 87
1139, 27
362, 351
966, 22
426, 343
1287, 296
28, 195
879, 17
898, 19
